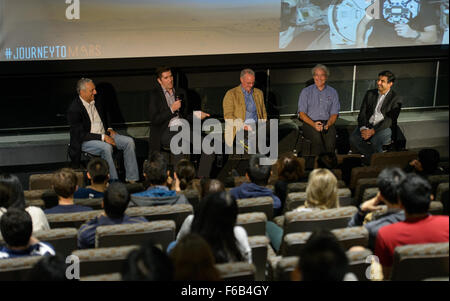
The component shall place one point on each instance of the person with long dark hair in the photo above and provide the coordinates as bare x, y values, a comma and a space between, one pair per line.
12, 196
215, 221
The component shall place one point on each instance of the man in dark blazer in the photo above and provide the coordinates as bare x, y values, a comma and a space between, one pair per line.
379, 109
168, 106
91, 132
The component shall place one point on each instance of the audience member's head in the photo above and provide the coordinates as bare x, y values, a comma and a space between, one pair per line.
322, 259
387, 183
193, 260
209, 186
429, 159
215, 221
148, 263
98, 170
258, 173
414, 193
327, 160
64, 183
49, 268
185, 172
16, 197
16, 227
115, 200
322, 190
155, 169
290, 168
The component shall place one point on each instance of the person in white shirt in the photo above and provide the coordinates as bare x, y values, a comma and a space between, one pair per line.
12, 196
91, 132
379, 109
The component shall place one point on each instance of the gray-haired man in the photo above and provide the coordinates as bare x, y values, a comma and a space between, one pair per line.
91, 132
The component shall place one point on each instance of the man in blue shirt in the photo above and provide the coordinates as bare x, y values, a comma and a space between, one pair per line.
156, 174
16, 228
318, 108
98, 174
115, 202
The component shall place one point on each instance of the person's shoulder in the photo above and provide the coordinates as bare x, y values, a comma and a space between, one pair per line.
34, 211
42, 248
257, 91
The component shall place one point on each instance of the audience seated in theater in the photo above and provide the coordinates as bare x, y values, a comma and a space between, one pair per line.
322, 259
156, 175
115, 202
16, 228
321, 193
50, 268
64, 183
184, 175
419, 226
258, 175
12, 196
427, 164
209, 186
193, 260
98, 175
387, 183
148, 263
290, 170
215, 221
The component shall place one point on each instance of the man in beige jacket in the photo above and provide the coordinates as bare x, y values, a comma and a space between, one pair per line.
243, 106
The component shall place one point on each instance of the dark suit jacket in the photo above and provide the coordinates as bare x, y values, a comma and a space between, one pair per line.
390, 109
80, 126
160, 114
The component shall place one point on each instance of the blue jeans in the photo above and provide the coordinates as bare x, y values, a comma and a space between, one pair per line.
105, 150
373, 145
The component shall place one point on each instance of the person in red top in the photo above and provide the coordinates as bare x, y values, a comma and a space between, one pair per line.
419, 226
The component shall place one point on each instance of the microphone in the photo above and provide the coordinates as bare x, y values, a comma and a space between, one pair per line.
180, 98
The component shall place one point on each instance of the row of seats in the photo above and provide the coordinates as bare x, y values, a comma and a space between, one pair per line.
411, 263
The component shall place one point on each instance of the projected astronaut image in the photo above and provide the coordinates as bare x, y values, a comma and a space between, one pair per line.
337, 24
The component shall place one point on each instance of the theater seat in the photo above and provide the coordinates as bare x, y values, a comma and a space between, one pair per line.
158, 232
236, 271
103, 260
420, 261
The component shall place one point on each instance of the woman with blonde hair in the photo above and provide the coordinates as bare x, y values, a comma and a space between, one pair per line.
321, 194
322, 190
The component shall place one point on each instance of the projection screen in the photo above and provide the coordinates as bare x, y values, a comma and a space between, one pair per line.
79, 29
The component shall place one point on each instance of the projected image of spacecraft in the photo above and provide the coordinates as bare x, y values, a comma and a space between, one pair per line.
344, 17
299, 16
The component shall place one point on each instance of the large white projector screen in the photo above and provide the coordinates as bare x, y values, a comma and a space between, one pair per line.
88, 29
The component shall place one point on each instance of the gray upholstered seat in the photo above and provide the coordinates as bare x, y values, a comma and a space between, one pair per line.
254, 222
158, 232
348, 237
71, 220
103, 260
259, 204
16, 269
177, 213
259, 245
308, 221
63, 240
237, 271
420, 261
